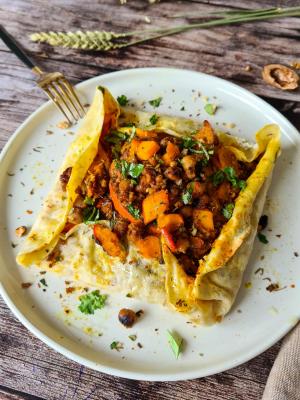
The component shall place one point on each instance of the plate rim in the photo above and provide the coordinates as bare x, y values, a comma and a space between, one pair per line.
175, 376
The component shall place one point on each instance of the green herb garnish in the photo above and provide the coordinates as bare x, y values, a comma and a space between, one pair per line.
89, 201
116, 137
92, 301
233, 179
210, 108
155, 102
188, 142
129, 169
135, 212
43, 282
228, 210
218, 177
122, 100
153, 119
91, 214
175, 342
116, 346
262, 238
188, 194
132, 337
229, 174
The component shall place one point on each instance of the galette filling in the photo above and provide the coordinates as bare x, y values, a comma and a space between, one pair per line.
148, 184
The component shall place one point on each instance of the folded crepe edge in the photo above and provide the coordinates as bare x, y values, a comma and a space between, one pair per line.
44, 234
234, 244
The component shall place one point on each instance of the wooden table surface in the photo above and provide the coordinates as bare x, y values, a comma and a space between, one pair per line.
28, 368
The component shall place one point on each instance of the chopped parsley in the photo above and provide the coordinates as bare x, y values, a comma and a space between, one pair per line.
91, 214
155, 102
228, 210
229, 174
129, 169
122, 100
182, 108
115, 345
117, 137
153, 119
175, 342
89, 201
187, 195
210, 108
262, 238
92, 301
189, 143
43, 282
132, 337
135, 212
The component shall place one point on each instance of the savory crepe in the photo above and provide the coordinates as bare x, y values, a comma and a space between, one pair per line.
163, 208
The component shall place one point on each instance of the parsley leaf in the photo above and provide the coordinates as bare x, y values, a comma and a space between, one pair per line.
228, 210
187, 195
210, 108
122, 100
262, 238
155, 102
91, 214
129, 169
230, 174
89, 201
43, 282
153, 119
116, 346
132, 337
92, 301
116, 137
135, 212
188, 142
135, 170
218, 177
175, 342
233, 179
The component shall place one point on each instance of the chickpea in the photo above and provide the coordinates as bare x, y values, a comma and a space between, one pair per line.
127, 317
189, 164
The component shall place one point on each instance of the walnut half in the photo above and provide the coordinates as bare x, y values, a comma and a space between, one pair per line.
280, 76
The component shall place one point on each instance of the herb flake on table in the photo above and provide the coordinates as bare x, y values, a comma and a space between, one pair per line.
155, 102
132, 337
175, 342
91, 302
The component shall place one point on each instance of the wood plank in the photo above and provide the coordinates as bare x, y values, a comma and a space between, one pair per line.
28, 368
222, 51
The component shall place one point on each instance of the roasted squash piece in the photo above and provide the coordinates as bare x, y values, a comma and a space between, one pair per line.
146, 149
170, 221
122, 210
154, 205
149, 247
203, 220
206, 133
172, 152
140, 133
227, 158
109, 241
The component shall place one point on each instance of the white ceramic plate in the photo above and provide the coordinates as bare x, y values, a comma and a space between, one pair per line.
258, 319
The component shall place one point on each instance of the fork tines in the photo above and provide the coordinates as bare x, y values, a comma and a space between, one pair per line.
63, 95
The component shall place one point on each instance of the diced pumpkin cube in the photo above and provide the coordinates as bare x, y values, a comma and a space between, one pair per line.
147, 149
170, 221
149, 247
203, 219
155, 204
172, 152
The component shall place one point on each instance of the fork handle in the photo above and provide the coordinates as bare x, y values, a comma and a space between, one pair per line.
15, 48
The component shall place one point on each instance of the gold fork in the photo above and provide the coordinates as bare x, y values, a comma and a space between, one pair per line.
54, 84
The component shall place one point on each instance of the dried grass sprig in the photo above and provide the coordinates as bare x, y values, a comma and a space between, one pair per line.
104, 41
